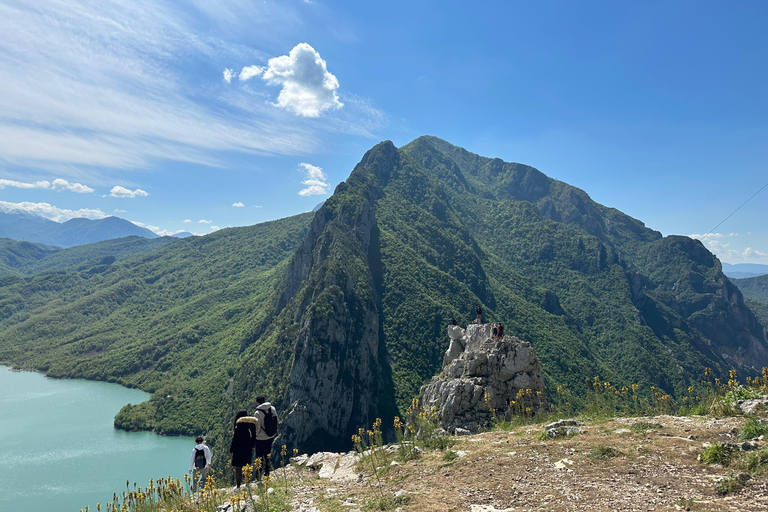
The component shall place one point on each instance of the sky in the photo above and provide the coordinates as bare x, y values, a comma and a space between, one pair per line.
200, 115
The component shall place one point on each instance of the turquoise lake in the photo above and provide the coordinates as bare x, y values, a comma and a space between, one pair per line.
60, 452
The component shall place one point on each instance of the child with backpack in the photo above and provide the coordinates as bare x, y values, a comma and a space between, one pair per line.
266, 432
200, 463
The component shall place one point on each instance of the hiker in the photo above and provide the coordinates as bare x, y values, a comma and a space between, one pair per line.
241, 447
501, 331
495, 331
453, 321
266, 431
200, 463
479, 318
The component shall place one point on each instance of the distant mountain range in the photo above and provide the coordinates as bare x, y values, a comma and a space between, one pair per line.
744, 270
340, 315
34, 228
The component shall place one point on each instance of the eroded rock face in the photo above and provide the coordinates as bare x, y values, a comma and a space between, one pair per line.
475, 365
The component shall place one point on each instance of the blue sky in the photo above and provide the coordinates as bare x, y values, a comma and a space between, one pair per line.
207, 114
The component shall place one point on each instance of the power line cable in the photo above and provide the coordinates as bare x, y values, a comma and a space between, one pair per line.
734, 211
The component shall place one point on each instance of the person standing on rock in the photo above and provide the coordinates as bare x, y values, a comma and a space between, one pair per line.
479, 318
266, 431
453, 321
241, 447
501, 331
200, 463
495, 331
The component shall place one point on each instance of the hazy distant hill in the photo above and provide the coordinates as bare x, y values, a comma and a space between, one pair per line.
339, 315
744, 270
33, 228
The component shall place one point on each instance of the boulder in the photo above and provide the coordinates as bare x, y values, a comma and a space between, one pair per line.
481, 378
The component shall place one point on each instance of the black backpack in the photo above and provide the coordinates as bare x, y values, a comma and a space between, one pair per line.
270, 422
200, 461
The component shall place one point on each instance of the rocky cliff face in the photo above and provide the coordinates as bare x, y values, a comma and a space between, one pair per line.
480, 374
331, 300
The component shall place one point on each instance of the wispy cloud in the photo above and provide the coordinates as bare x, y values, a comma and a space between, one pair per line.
238, 204
315, 182
50, 211
105, 84
118, 191
203, 221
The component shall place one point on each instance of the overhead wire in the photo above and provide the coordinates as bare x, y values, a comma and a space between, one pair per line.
733, 212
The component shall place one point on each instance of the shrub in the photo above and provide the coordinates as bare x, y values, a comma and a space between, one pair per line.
450, 456
603, 452
641, 427
726, 485
755, 462
718, 453
752, 429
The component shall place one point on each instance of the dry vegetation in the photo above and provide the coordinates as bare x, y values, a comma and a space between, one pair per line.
611, 466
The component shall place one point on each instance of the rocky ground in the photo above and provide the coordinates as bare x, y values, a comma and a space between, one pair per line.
609, 466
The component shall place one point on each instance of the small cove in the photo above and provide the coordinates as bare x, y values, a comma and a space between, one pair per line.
60, 452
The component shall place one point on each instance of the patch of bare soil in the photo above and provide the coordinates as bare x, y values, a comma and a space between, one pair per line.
608, 467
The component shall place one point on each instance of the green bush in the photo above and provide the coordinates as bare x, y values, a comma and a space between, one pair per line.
603, 452
718, 453
755, 462
641, 427
752, 429
727, 485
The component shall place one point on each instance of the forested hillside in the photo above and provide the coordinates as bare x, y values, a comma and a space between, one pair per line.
27, 258
169, 321
755, 290
339, 316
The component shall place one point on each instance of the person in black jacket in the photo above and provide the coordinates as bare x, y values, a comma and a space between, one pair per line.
241, 447
479, 318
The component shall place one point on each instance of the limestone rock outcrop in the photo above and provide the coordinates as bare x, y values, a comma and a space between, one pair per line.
481, 377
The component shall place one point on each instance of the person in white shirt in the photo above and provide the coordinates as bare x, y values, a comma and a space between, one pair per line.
200, 463
266, 432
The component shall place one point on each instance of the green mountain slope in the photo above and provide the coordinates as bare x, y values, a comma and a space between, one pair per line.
27, 258
168, 321
339, 316
428, 232
755, 290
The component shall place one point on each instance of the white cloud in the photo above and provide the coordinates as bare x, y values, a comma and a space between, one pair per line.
203, 221
249, 72
228, 75
58, 185
119, 211
215, 228
316, 181
717, 244
238, 204
21, 184
118, 191
186, 221
709, 236
156, 230
258, 206
51, 212
308, 88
